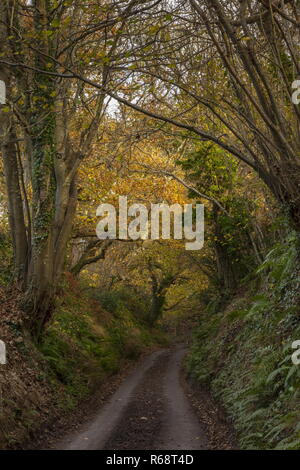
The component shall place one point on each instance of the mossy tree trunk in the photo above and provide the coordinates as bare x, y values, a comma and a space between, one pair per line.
160, 283
225, 267
53, 174
8, 138
157, 306
39, 233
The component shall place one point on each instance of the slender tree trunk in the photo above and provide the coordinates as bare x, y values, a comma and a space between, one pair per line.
15, 204
226, 273
10, 160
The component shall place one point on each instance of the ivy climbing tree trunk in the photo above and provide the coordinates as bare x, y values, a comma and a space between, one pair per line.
53, 174
39, 234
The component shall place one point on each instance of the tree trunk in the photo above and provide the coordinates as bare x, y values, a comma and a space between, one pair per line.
156, 309
10, 161
15, 204
226, 273
53, 177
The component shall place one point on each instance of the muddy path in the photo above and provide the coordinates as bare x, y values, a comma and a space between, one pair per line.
150, 410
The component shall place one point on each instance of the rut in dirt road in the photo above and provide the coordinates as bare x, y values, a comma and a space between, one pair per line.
149, 411
181, 428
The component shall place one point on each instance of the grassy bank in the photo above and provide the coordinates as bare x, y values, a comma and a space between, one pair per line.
93, 335
244, 353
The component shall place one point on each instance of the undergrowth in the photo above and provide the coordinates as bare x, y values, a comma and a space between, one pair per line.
83, 346
92, 335
244, 354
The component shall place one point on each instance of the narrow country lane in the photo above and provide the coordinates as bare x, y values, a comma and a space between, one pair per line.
149, 411
181, 428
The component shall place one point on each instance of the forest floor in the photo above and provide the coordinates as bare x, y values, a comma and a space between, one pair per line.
154, 407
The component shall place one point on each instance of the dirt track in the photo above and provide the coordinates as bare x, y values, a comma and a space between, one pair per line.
150, 410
